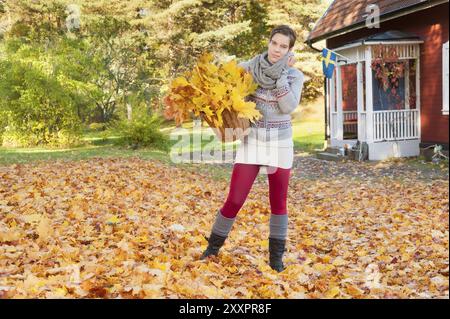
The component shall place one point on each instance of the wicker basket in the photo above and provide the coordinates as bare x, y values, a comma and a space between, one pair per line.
237, 127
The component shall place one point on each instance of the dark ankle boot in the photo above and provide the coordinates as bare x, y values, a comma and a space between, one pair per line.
276, 250
214, 243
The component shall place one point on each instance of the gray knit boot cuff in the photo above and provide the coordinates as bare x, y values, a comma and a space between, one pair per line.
222, 225
278, 226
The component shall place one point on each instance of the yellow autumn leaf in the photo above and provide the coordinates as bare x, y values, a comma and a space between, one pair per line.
264, 243
308, 242
11, 234
180, 81
326, 259
344, 241
209, 89
207, 110
32, 218
113, 220
219, 91
339, 261
332, 293
142, 239
44, 229
361, 252
354, 291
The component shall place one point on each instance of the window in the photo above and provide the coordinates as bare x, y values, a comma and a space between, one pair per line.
445, 78
349, 87
350, 100
391, 99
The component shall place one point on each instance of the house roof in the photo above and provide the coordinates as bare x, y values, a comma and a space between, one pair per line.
392, 35
384, 37
348, 14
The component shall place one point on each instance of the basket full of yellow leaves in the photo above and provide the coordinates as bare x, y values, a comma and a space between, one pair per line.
217, 92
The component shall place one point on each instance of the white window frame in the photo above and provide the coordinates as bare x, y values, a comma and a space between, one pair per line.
445, 57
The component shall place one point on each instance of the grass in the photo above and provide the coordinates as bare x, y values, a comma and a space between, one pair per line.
308, 135
308, 127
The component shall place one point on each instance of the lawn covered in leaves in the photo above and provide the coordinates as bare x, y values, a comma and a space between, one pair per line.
134, 228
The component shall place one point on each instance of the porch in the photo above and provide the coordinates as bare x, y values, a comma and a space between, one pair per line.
362, 107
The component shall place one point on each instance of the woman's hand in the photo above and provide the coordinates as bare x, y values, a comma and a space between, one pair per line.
282, 81
291, 61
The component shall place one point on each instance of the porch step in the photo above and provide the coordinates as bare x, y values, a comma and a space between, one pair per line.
329, 156
332, 150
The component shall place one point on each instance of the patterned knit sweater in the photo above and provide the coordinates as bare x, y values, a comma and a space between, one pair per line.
276, 106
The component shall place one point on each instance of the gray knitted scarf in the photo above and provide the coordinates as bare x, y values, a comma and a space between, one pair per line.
265, 73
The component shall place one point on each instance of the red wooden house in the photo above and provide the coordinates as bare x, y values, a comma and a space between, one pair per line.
395, 115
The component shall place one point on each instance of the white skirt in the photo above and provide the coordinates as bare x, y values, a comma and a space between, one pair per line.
264, 154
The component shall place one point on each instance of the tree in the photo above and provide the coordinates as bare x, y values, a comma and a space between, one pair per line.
253, 41
126, 52
184, 29
301, 16
39, 103
120, 64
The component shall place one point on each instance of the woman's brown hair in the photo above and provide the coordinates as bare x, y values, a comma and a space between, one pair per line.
285, 30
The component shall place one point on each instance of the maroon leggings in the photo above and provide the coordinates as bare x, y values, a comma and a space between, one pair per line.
242, 180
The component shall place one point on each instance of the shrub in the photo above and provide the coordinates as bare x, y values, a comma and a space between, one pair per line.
143, 130
97, 127
38, 106
3, 124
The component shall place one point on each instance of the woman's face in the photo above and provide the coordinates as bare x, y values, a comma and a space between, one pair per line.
278, 47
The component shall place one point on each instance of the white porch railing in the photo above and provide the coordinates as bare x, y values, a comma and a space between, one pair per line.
350, 121
350, 115
396, 125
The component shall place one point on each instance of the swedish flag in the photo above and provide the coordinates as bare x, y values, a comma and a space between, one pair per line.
328, 62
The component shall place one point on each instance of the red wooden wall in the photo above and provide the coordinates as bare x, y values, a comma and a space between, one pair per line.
432, 25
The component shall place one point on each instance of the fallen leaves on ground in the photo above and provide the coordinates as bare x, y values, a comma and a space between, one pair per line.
130, 228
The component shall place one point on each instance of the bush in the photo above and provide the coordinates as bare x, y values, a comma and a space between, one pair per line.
38, 106
97, 127
3, 124
143, 130
13, 137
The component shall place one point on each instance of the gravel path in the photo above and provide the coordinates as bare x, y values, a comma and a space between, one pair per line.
307, 166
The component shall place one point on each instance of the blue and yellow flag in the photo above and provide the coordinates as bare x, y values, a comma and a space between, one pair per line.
328, 62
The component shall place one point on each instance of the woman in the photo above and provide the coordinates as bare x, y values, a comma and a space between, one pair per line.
269, 143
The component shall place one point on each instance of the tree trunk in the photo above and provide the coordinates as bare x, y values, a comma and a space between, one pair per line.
129, 111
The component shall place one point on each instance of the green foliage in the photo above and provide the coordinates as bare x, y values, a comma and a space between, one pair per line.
38, 104
39, 20
52, 80
97, 127
252, 41
301, 16
3, 124
143, 130
120, 65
